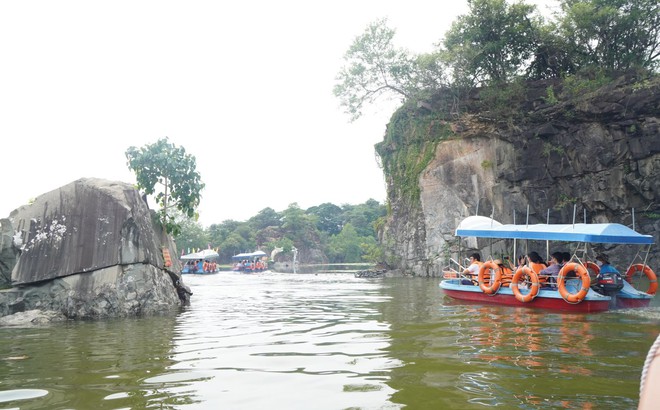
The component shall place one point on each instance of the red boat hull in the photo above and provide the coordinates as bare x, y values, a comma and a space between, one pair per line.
539, 302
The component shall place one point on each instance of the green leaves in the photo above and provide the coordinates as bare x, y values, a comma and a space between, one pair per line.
169, 173
374, 69
613, 34
319, 228
498, 42
490, 44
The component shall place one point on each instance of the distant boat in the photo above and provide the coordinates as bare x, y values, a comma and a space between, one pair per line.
250, 262
202, 262
526, 288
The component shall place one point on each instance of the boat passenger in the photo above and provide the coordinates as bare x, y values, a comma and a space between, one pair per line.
536, 263
472, 271
552, 271
609, 278
603, 262
507, 273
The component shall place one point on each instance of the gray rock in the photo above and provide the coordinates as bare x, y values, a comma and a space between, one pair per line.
88, 250
31, 317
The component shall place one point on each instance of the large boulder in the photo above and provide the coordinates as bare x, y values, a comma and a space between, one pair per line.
89, 249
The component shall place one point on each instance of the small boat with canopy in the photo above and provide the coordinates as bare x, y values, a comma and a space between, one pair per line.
250, 262
201, 262
572, 289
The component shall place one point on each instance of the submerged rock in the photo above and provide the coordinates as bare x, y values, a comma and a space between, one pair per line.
31, 317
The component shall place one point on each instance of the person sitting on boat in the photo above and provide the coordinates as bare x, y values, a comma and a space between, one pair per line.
609, 279
552, 271
537, 264
507, 273
472, 271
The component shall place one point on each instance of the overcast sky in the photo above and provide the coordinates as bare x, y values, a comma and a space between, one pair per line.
244, 86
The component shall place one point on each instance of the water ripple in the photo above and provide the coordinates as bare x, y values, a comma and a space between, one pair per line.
331, 342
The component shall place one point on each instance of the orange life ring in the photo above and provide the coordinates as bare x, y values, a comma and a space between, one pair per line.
646, 269
494, 284
594, 267
536, 284
582, 273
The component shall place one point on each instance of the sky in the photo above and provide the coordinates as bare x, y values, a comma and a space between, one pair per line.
245, 87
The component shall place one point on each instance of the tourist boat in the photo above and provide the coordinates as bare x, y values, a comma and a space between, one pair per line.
250, 262
569, 294
203, 262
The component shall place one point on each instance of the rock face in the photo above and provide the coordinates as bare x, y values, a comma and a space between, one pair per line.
593, 157
88, 249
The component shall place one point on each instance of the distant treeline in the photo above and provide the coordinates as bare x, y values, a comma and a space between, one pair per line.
344, 234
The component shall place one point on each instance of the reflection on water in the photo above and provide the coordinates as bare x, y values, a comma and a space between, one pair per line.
470, 356
329, 341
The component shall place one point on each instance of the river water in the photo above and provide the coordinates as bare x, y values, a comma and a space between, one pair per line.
330, 341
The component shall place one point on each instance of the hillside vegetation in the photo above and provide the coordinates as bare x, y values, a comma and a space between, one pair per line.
326, 233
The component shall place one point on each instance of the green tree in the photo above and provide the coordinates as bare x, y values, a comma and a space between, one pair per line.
363, 216
219, 232
553, 55
299, 227
374, 68
265, 218
191, 235
430, 69
231, 237
492, 43
371, 251
345, 247
170, 173
329, 217
233, 245
612, 34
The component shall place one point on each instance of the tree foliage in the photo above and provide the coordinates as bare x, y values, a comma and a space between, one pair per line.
374, 68
343, 234
328, 217
552, 55
492, 41
192, 235
168, 172
345, 246
498, 42
612, 34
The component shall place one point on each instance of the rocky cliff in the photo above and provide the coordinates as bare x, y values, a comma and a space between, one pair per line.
544, 151
88, 249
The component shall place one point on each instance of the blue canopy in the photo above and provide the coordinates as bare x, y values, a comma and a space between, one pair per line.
483, 227
205, 254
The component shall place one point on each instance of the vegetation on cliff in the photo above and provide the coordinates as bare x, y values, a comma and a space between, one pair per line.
499, 43
483, 66
534, 85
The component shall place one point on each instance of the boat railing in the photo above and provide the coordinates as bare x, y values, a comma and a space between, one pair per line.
449, 272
